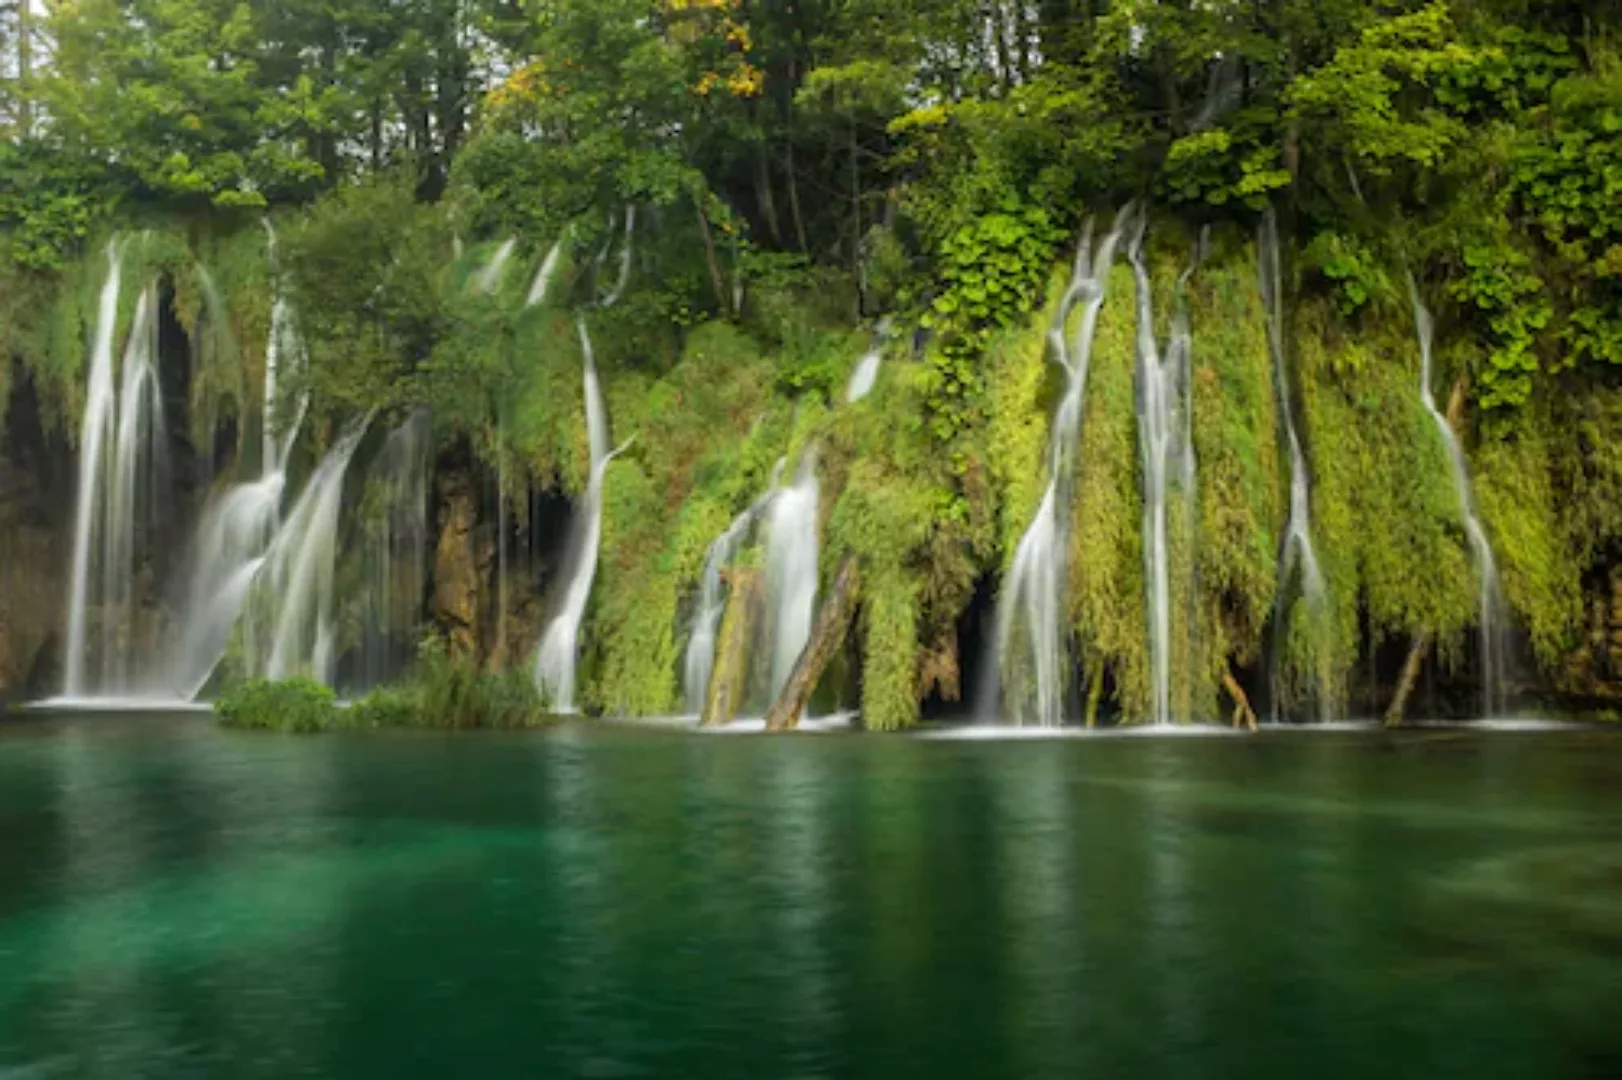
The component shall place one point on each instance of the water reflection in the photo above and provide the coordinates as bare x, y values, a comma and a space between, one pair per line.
590, 902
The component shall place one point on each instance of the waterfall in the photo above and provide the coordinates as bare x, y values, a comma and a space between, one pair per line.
1165, 413
791, 568
1489, 591
625, 259
239, 527
486, 280
1298, 552
122, 465
559, 648
700, 658
867, 368
543, 277
298, 575
397, 547
1029, 611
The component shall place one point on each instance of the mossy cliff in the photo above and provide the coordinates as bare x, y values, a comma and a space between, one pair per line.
708, 407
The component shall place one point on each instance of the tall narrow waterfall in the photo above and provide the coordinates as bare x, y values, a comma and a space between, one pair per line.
700, 658
1489, 591
791, 567
559, 648
1298, 552
1028, 668
624, 277
1165, 411
122, 459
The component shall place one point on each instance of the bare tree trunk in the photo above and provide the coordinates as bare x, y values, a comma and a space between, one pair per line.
729, 680
794, 200
856, 221
833, 622
1095, 693
1405, 683
711, 260
1242, 712
763, 194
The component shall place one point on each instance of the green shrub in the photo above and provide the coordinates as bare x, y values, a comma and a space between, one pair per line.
294, 705
385, 707
456, 695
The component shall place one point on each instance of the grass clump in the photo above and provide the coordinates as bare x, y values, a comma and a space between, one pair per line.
300, 706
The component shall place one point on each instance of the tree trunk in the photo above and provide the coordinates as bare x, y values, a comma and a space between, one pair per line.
856, 221
729, 679
794, 199
827, 636
763, 195
1095, 693
1242, 712
1409, 677
25, 68
717, 279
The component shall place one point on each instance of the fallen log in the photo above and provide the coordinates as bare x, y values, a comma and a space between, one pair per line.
827, 636
1242, 712
729, 679
1408, 679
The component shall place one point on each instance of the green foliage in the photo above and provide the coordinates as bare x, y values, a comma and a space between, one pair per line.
1107, 604
1508, 298
300, 706
454, 694
1358, 275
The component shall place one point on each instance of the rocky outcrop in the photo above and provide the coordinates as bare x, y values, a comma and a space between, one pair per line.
454, 605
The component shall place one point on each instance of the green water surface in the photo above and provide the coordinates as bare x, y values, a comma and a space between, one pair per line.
177, 901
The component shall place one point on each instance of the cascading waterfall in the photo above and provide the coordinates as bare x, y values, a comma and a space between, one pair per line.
488, 277
700, 657
791, 568
867, 368
240, 527
1165, 411
543, 277
1298, 552
1029, 648
122, 463
1490, 600
298, 575
559, 648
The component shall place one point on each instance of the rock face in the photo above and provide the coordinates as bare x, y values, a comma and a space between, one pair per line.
455, 600
33, 564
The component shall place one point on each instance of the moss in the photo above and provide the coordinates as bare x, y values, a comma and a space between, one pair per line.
1387, 516
1107, 604
1525, 516
1240, 482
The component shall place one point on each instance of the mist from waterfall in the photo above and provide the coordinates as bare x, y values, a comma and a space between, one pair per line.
1027, 670
1165, 441
791, 568
558, 653
1298, 552
1489, 590
123, 468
